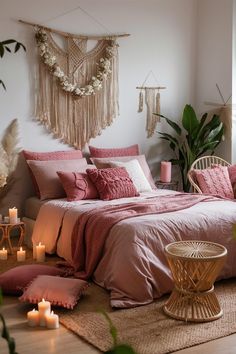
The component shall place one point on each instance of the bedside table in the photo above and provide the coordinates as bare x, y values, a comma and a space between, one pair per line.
6, 234
173, 185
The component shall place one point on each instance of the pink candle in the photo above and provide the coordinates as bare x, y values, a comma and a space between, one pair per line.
165, 171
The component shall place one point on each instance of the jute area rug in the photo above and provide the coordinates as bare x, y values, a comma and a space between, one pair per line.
147, 328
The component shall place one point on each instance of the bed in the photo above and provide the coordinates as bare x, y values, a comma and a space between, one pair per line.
131, 264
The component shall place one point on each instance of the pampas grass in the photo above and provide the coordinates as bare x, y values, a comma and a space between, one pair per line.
8, 156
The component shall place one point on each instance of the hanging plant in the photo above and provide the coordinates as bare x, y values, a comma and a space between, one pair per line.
103, 67
5, 47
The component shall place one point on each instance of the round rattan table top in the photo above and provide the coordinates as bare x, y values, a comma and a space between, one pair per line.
194, 249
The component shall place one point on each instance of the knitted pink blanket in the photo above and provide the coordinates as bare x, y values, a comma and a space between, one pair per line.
92, 228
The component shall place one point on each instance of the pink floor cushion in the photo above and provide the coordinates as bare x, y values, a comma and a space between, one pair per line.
64, 292
13, 281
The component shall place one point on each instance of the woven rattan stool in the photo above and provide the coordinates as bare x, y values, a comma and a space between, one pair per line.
194, 266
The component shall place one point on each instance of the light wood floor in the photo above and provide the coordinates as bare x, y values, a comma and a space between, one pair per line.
61, 341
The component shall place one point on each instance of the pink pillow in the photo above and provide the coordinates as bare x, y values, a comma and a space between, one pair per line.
51, 155
113, 183
215, 181
63, 292
45, 173
13, 281
106, 162
126, 151
77, 186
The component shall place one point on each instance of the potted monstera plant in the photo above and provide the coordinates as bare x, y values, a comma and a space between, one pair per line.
191, 140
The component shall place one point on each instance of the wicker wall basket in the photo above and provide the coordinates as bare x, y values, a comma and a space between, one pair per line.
195, 266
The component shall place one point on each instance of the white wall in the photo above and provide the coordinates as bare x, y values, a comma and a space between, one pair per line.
214, 59
163, 38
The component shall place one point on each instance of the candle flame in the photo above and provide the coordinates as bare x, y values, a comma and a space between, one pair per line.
39, 243
33, 310
43, 300
20, 248
3, 249
52, 313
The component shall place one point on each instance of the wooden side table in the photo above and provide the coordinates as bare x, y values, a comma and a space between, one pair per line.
6, 234
173, 185
195, 266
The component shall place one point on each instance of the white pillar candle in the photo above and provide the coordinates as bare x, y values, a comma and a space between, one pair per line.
21, 255
40, 253
33, 318
13, 215
44, 309
52, 320
3, 254
6, 219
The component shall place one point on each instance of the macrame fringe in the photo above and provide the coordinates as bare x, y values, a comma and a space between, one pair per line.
140, 106
76, 120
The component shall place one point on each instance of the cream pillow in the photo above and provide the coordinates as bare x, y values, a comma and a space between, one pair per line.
136, 174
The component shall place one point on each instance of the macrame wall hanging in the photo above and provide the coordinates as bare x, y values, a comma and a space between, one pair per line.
151, 95
78, 89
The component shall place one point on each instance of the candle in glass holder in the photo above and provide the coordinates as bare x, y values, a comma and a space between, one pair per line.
40, 253
21, 255
52, 320
33, 318
6, 219
165, 171
13, 215
3, 254
44, 309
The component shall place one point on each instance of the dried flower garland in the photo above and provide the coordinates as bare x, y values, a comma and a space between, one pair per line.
103, 70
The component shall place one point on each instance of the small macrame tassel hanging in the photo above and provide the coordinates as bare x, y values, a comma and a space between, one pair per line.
158, 106
140, 105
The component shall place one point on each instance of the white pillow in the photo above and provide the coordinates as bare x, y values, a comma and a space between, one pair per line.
136, 174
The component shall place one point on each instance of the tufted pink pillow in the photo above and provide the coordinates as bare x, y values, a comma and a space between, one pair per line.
59, 291
215, 181
113, 183
106, 162
13, 281
47, 156
126, 151
77, 186
45, 173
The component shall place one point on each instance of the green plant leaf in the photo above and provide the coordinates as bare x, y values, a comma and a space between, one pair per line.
173, 125
2, 83
9, 41
121, 349
1, 50
189, 119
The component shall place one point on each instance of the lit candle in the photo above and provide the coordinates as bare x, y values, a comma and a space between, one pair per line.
13, 215
165, 171
33, 318
40, 253
6, 219
52, 320
3, 254
21, 255
44, 309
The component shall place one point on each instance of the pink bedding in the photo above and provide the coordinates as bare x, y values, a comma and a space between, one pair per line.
132, 265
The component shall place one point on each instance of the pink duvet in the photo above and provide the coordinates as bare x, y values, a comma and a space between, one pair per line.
132, 265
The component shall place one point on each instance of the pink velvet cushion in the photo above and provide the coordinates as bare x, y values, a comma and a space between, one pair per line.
215, 181
126, 151
45, 173
113, 183
77, 186
50, 155
106, 162
59, 291
13, 281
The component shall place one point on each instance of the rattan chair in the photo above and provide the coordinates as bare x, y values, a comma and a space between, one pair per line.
200, 164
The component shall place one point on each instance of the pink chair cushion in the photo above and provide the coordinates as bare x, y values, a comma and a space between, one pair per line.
215, 181
45, 173
113, 183
59, 291
126, 151
105, 162
50, 155
77, 186
13, 281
